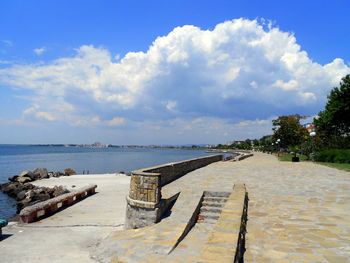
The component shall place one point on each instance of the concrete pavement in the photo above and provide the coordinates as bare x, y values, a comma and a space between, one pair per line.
68, 235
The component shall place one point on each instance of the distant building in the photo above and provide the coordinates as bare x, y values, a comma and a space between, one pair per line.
310, 127
239, 142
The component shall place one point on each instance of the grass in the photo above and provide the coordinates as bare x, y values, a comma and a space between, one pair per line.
285, 157
340, 166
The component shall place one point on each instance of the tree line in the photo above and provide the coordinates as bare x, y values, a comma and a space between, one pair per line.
331, 128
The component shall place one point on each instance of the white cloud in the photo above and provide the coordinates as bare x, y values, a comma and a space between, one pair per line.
45, 115
116, 121
7, 43
39, 51
171, 105
240, 71
35, 111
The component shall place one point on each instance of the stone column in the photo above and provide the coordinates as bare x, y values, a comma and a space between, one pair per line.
143, 200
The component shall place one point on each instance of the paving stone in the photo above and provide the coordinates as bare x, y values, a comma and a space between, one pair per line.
298, 212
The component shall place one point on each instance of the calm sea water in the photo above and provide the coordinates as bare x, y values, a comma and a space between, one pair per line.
16, 158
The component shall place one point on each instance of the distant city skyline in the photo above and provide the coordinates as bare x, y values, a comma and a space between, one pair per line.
162, 73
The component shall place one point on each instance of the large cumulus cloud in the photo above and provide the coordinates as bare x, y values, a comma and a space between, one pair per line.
238, 71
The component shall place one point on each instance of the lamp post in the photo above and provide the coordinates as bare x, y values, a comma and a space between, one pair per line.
313, 134
277, 147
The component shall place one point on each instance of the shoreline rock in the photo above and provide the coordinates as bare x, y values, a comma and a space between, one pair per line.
20, 188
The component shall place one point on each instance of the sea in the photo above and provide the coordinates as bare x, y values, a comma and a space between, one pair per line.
16, 158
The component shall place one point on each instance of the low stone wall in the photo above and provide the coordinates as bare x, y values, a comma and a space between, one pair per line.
144, 203
242, 156
34, 212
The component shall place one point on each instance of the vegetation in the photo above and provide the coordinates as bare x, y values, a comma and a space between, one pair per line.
287, 157
340, 166
288, 130
329, 144
333, 124
333, 156
245, 145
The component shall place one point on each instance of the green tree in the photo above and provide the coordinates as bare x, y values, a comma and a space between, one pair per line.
289, 130
333, 123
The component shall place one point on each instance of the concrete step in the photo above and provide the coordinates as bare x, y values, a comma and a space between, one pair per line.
210, 215
212, 204
215, 210
216, 194
206, 220
214, 199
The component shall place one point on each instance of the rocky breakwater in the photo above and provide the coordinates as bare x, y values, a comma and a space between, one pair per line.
26, 194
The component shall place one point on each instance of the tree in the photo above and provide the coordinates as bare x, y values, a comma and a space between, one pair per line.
289, 130
333, 123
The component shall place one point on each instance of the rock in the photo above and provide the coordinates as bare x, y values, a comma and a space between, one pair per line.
13, 178
13, 188
26, 194
26, 173
23, 180
40, 173
21, 195
59, 190
69, 171
57, 174
22, 204
30, 194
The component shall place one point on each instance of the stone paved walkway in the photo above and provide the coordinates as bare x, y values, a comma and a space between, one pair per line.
298, 212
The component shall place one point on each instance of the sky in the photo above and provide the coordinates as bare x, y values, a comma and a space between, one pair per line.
165, 72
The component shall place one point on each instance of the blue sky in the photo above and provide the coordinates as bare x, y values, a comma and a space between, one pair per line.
161, 72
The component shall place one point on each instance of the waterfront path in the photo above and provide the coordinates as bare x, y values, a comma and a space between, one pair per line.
297, 212
67, 236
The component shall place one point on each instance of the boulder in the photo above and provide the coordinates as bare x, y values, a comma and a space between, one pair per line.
13, 188
22, 204
21, 195
41, 173
26, 173
23, 180
30, 194
59, 190
13, 178
57, 174
69, 171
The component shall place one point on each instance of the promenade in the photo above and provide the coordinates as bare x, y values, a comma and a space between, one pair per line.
297, 212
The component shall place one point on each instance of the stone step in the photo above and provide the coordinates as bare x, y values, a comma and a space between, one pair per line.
214, 199
214, 210
206, 220
216, 194
209, 215
212, 204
